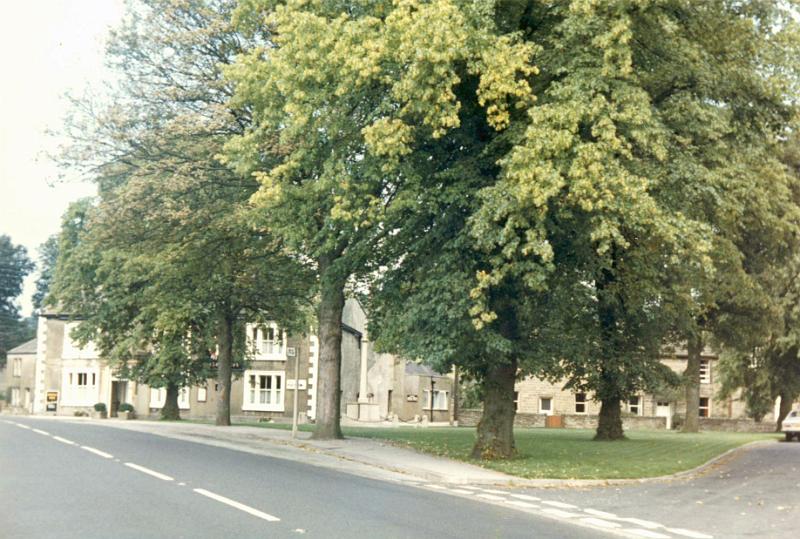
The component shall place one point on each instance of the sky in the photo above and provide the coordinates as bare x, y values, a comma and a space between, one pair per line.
47, 48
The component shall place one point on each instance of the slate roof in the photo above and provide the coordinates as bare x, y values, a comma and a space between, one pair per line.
416, 369
24, 348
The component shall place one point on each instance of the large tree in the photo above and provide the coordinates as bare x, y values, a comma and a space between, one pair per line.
14, 267
342, 97
640, 122
199, 264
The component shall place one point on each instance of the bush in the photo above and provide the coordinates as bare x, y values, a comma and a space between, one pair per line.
80, 413
126, 407
100, 407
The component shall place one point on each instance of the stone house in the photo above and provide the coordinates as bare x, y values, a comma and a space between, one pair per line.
536, 396
63, 378
381, 387
17, 377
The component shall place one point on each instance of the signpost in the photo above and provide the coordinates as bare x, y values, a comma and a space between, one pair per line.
52, 401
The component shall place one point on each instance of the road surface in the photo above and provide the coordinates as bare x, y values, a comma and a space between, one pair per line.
77, 480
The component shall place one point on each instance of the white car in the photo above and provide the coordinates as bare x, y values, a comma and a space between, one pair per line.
791, 426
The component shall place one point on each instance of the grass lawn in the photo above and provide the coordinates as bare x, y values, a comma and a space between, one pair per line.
570, 453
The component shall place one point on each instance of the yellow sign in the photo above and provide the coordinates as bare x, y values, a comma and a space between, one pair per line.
52, 396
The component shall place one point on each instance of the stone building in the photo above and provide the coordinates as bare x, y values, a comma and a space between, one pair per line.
17, 378
536, 396
58, 377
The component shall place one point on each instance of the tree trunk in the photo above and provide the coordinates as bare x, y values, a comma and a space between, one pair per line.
329, 396
609, 423
783, 411
691, 380
225, 334
170, 410
496, 427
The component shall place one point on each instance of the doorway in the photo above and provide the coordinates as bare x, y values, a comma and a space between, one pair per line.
118, 391
664, 409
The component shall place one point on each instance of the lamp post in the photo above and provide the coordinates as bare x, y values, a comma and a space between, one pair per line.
296, 394
433, 384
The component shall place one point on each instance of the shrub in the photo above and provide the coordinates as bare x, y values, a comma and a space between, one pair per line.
126, 407
80, 413
100, 407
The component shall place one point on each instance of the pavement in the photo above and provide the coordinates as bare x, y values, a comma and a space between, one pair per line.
751, 492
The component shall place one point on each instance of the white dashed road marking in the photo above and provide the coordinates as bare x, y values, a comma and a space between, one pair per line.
526, 497
237, 505
647, 533
148, 471
560, 505
462, 491
600, 523
97, 452
560, 513
689, 533
491, 497
42, 432
525, 505
20, 425
601, 514
63, 440
643, 523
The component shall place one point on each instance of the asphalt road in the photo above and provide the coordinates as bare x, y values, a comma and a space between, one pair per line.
76, 480
752, 493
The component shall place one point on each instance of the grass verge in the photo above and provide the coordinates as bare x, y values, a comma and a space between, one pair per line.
570, 453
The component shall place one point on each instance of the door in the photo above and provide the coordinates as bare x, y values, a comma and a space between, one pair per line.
664, 409
115, 399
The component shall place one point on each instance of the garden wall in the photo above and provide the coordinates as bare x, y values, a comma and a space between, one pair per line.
470, 418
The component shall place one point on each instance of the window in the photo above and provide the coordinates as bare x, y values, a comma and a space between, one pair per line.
439, 399
635, 405
80, 387
580, 403
267, 341
545, 405
202, 394
158, 396
516, 401
263, 391
14, 396
705, 371
705, 407
17, 371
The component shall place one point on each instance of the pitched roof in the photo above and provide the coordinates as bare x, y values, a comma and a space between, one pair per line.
24, 348
421, 370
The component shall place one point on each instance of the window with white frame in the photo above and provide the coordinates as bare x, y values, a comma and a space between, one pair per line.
439, 399
705, 371
202, 394
263, 391
158, 396
80, 386
580, 403
14, 396
17, 367
705, 407
267, 341
545, 405
635, 405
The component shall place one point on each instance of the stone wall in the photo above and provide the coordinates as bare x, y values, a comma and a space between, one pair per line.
735, 425
470, 418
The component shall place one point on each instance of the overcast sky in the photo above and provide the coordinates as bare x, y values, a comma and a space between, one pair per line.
47, 48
